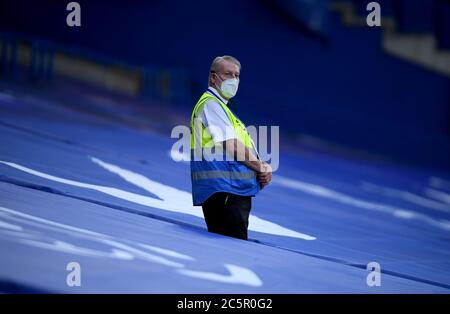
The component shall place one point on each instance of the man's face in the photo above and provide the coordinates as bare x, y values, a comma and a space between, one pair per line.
228, 70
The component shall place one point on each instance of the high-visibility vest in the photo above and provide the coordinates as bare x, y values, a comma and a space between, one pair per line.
211, 176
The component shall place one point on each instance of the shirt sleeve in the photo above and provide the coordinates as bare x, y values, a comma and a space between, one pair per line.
216, 120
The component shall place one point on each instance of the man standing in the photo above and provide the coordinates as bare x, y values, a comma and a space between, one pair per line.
224, 186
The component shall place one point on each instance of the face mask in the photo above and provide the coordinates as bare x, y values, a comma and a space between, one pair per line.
229, 87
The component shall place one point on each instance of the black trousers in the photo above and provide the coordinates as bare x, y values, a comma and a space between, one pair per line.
227, 214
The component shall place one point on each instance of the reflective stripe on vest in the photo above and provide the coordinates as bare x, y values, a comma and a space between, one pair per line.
232, 175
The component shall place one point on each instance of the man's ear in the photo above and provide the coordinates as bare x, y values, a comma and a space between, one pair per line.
213, 80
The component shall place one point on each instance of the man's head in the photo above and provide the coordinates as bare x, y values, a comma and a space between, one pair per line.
224, 75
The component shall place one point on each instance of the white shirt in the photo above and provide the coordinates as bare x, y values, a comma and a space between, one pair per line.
214, 117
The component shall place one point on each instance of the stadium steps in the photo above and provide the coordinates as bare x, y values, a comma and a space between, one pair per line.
420, 49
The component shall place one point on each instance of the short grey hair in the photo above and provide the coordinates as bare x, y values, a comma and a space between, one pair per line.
215, 65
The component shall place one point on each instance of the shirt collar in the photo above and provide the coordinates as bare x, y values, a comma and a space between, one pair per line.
214, 92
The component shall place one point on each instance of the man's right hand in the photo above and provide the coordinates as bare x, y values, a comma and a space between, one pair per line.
264, 176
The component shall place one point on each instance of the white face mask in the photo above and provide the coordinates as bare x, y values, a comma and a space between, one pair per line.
229, 87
